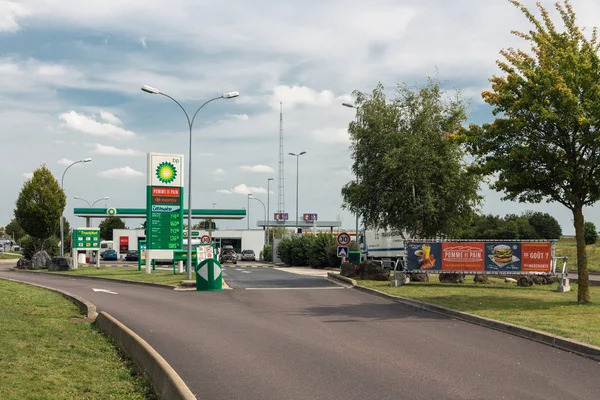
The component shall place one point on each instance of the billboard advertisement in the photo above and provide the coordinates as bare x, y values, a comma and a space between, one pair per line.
480, 257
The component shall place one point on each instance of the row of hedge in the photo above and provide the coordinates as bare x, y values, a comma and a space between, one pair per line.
316, 251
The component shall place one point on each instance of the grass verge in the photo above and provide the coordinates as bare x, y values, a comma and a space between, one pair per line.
568, 247
10, 256
129, 273
538, 307
45, 356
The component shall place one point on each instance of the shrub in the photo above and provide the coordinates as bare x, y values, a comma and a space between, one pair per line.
32, 245
294, 250
590, 233
51, 246
323, 252
266, 254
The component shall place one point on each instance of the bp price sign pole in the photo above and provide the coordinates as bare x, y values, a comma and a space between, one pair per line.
164, 206
85, 239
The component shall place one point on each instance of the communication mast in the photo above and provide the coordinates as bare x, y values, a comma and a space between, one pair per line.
280, 197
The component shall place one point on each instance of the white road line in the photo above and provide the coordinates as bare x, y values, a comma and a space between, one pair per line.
104, 290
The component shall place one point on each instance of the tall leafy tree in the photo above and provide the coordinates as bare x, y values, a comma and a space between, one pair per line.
544, 143
410, 173
14, 230
40, 204
108, 225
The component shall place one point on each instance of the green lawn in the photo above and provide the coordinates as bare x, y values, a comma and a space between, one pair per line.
538, 307
130, 273
568, 247
10, 255
44, 355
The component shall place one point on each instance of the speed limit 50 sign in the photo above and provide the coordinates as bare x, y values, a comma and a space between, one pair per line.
343, 239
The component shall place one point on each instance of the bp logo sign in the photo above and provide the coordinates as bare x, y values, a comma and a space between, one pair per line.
166, 172
111, 211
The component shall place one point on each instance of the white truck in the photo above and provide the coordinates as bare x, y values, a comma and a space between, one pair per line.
383, 245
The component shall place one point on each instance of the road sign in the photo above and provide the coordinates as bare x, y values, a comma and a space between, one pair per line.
205, 239
281, 216
86, 238
343, 239
354, 257
342, 251
309, 217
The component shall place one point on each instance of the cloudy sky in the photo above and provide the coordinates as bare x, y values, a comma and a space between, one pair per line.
71, 71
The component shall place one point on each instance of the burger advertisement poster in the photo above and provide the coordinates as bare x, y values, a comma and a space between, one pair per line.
499, 257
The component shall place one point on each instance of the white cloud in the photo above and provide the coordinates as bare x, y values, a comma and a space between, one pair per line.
224, 191
113, 151
218, 171
257, 169
331, 135
65, 161
218, 175
110, 118
238, 117
292, 96
121, 173
243, 189
143, 42
81, 123
28, 175
10, 12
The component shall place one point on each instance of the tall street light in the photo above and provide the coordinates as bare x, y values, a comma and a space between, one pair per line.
268, 211
263, 204
350, 105
297, 167
248, 212
62, 222
87, 219
230, 95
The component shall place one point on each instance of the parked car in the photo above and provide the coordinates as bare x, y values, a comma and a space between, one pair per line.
109, 254
132, 255
228, 254
248, 255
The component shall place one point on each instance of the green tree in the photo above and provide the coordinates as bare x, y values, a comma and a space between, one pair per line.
14, 230
544, 144
546, 226
108, 225
411, 176
590, 233
40, 205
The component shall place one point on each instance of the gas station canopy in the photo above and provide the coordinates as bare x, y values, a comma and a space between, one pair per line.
141, 213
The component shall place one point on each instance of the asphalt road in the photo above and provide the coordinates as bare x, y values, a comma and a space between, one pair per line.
273, 278
331, 344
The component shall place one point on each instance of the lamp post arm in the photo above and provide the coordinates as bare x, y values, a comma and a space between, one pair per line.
180, 106
202, 106
94, 203
63, 175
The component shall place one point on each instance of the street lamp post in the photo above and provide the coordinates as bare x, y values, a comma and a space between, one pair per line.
268, 210
87, 219
62, 222
297, 167
248, 210
263, 204
350, 105
230, 95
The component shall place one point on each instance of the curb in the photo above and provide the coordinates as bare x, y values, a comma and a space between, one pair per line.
98, 278
165, 381
582, 349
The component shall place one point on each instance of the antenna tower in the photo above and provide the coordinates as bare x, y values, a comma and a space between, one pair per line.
280, 202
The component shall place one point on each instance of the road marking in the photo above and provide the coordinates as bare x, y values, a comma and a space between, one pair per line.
104, 290
299, 288
245, 272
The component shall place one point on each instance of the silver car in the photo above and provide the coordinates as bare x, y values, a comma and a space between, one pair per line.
248, 255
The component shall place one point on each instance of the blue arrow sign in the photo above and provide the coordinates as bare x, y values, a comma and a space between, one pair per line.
342, 251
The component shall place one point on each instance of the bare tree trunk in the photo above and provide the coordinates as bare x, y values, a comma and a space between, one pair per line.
583, 292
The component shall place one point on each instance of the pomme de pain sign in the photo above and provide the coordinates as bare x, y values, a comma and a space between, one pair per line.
492, 257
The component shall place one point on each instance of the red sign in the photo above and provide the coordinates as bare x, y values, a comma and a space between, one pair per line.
466, 256
123, 244
343, 239
164, 200
536, 257
205, 239
158, 191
